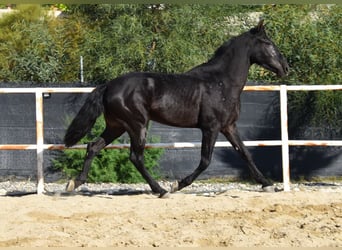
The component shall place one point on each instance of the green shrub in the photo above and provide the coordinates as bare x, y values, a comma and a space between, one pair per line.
38, 48
111, 165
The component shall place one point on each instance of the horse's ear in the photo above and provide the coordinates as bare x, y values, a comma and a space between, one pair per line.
260, 25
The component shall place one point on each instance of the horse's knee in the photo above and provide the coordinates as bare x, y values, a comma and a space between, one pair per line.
133, 158
136, 158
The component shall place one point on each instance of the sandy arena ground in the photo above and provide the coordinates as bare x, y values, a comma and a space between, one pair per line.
234, 218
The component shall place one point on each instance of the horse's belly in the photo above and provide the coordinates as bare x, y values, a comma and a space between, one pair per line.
177, 106
179, 117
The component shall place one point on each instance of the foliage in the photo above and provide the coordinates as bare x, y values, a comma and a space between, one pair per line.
38, 48
307, 34
111, 165
163, 38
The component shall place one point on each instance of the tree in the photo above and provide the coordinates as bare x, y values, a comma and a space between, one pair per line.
38, 48
163, 38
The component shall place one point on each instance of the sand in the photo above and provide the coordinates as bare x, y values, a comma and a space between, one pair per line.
310, 218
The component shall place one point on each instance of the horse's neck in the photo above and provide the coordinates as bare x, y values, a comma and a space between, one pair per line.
232, 69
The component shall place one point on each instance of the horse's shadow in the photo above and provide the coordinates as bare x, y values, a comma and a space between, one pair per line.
89, 193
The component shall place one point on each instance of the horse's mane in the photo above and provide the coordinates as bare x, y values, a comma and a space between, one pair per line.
222, 49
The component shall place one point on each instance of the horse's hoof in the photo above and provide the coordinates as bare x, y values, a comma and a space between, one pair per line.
269, 189
165, 195
70, 186
174, 187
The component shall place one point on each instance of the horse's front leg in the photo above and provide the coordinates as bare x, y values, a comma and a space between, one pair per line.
232, 135
208, 142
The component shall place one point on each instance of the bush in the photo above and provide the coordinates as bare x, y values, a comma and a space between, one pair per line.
37, 48
111, 165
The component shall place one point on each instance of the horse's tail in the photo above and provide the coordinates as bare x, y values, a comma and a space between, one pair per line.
86, 117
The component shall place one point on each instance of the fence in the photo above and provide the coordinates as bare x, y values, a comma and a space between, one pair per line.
284, 142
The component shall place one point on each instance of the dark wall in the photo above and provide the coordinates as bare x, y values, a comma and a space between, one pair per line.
259, 120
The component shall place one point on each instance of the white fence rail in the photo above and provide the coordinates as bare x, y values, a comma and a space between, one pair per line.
284, 142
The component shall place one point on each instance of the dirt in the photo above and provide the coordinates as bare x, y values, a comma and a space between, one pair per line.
233, 218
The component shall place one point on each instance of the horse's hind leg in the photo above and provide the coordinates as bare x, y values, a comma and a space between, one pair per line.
232, 135
93, 148
138, 142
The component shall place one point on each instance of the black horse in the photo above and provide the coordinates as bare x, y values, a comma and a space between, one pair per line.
206, 97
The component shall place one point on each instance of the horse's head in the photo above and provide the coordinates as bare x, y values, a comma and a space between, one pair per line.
265, 53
